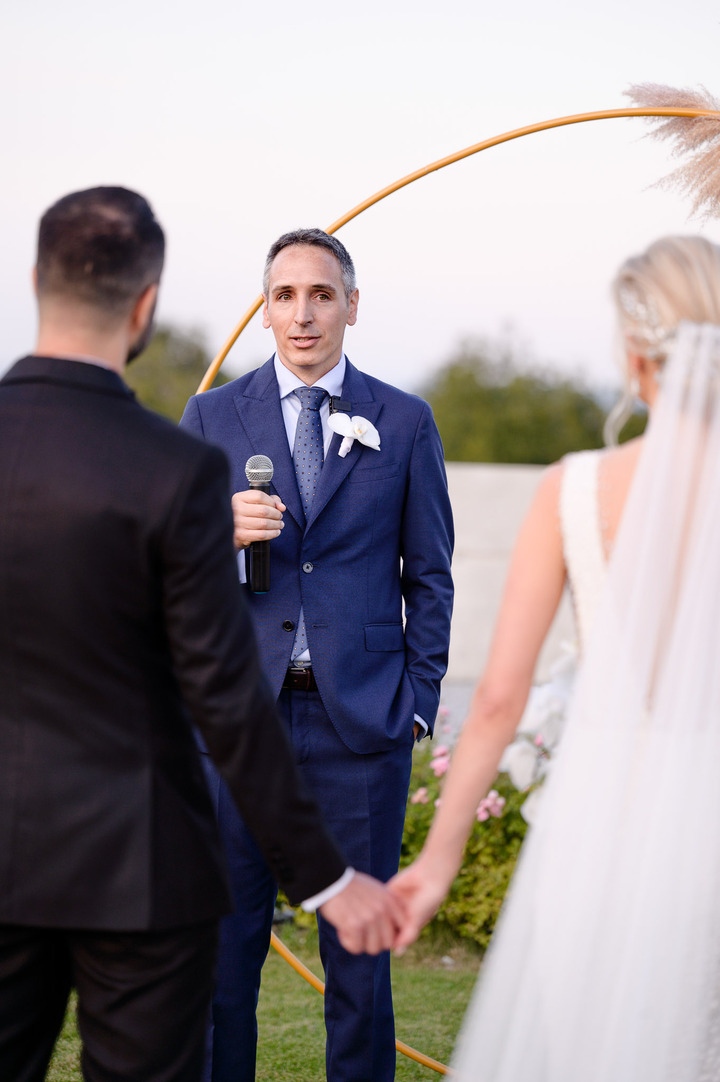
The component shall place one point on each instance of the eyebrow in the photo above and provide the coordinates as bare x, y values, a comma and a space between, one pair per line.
320, 285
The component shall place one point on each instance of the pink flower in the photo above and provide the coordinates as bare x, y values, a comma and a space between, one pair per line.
495, 803
420, 797
538, 741
438, 802
444, 712
492, 804
440, 750
439, 766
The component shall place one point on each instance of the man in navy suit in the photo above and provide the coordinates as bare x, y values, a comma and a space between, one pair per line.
369, 533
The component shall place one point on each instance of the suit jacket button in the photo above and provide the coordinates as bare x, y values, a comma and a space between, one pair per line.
307, 567
288, 625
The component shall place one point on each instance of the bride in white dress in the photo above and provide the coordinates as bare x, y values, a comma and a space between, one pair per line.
605, 966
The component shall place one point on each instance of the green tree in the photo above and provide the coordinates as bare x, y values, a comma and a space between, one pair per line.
170, 369
491, 409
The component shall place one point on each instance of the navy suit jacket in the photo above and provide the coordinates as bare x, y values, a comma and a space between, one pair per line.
379, 536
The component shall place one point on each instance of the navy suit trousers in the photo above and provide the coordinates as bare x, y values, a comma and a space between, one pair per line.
363, 799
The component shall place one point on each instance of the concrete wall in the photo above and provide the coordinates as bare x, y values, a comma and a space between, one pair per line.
489, 504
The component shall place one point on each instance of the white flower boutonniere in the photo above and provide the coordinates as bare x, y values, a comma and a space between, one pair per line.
354, 428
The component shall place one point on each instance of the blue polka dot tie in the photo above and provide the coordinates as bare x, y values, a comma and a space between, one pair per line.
308, 458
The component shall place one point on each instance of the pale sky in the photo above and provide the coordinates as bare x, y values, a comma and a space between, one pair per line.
241, 121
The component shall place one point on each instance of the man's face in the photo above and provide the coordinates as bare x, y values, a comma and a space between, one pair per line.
307, 309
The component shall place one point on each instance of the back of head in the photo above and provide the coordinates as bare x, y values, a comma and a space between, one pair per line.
101, 247
677, 278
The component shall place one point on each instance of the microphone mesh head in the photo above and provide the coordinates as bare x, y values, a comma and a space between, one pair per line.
259, 469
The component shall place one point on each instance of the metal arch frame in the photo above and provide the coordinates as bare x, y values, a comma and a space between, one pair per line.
496, 140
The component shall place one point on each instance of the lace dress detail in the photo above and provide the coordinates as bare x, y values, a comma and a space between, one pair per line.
582, 537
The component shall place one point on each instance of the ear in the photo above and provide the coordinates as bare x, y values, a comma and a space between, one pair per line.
143, 309
265, 314
353, 307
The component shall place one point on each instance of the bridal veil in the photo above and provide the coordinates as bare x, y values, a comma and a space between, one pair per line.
605, 966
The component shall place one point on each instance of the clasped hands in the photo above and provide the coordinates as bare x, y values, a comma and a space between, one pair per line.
370, 917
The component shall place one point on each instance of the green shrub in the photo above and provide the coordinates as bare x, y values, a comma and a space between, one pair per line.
474, 901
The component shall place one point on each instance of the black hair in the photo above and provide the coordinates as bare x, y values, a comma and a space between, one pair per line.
102, 246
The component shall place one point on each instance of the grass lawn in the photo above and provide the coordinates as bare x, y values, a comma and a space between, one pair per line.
432, 984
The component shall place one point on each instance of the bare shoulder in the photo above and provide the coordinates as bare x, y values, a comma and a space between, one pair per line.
542, 517
625, 452
620, 462
547, 494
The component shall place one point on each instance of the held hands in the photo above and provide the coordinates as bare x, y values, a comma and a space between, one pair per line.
257, 516
370, 917
366, 915
421, 890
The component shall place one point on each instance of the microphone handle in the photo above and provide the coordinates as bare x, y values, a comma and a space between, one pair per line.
257, 556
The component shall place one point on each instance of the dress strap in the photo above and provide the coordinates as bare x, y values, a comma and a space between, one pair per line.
582, 538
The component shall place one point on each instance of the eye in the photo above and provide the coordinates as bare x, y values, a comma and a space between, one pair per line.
282, 297
323, 296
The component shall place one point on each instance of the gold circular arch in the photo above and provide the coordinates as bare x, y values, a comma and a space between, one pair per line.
517, 133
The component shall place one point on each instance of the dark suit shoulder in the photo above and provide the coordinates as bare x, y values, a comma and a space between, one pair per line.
166, 442
388, 393
229, 391
239, 384
212, 405
399, 406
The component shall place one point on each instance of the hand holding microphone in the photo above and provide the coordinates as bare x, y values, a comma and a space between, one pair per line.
257, 519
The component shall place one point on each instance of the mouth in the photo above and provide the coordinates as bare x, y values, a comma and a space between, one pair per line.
304, 341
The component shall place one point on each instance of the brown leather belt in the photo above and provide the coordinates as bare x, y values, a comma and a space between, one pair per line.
299, 680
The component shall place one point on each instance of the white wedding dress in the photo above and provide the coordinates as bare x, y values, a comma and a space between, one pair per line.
584, 554
582, 536
605, 966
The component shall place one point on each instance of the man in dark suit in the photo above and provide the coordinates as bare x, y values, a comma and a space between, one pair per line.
353, 537
122, 624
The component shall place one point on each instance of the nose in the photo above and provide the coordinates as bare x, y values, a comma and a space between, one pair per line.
303, 311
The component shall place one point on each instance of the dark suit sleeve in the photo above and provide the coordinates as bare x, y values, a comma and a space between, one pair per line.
217, 666
191, 419
427, 544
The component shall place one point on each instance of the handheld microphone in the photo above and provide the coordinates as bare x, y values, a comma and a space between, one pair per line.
259, 472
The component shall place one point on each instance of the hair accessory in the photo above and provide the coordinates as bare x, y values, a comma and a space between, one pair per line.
697, 136
647, 331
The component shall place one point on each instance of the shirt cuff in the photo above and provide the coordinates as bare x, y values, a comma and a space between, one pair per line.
423, 726
311, 904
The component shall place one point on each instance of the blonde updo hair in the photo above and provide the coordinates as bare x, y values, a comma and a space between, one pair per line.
676, 278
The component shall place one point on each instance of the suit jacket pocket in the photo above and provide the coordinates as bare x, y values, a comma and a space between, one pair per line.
373, 473
384, 637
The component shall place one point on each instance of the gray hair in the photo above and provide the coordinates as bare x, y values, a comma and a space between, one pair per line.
319, 239
676, 278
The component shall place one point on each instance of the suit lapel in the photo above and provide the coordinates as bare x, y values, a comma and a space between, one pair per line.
356, 390
260, 413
